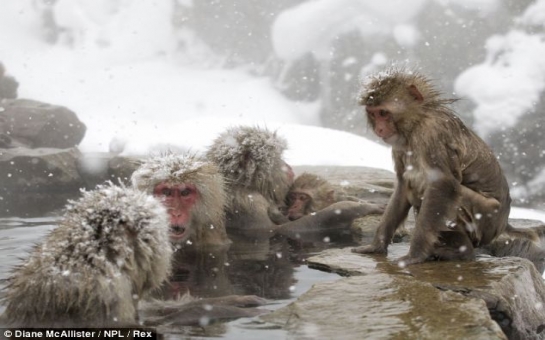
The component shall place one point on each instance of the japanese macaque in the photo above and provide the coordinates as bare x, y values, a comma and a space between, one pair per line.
444, 171
110, 249
194, 194
258, 179
109, 252
310, 193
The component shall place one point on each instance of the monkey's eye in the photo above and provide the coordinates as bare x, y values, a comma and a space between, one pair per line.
166, 192
185, 192
383, 113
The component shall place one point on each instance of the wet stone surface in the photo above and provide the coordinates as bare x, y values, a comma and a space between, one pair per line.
490, 298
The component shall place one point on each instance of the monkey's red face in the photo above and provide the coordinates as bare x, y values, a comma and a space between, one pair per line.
179, 199
383, 123
298, 203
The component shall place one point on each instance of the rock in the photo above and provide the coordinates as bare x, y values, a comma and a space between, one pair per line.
121, 168
37, 181
39, 125
99, 167
432, 300
8, 85
379, 306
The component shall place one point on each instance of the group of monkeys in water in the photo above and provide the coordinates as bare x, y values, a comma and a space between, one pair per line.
113, 246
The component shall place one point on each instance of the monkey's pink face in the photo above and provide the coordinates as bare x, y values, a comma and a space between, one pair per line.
179, 199
298, 205
383, 123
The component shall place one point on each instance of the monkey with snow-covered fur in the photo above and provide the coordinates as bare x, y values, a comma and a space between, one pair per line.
258, 180
110, 249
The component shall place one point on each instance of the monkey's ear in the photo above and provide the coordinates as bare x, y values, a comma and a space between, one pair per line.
330, 196
413, 91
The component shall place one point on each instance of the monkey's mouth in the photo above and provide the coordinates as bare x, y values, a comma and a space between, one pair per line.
178, 232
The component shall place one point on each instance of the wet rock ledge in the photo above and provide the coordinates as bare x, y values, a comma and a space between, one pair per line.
491, 298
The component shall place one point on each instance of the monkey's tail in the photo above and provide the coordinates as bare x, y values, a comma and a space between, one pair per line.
540, 230
534, 233
519, 247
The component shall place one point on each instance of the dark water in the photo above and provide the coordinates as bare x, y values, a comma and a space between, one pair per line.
273, 269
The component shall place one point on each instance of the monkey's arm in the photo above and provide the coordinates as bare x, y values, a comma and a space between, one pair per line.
187, 313
395, 214
234, 300
276, 215
339, 214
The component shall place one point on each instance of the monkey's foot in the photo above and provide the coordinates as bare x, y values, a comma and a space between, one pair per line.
408, 260
370, 249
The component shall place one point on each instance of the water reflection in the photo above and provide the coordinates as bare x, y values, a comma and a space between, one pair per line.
250, 266
274, 269
17, 236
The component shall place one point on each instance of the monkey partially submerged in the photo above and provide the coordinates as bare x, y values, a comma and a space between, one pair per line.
258, 179
110, 249
310, 193
444, 171
193, 191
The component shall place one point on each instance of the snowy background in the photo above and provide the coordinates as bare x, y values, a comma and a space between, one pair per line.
162, 74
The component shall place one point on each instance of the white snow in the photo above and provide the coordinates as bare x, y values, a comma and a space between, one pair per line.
311, 26
508, 83
534, 14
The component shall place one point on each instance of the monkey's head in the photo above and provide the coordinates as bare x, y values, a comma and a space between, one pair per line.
396, 100
191, 189
116, 229
251, 157
308, 193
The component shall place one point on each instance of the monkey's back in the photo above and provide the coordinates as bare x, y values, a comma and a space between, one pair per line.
52, 289
452, 146
109, 250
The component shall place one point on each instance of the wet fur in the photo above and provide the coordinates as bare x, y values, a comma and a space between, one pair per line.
208, 214
438, 161
250, 159
110, 249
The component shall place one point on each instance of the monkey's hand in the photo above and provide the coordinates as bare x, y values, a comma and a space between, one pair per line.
371, 249
187, 313
348, 211
277, 215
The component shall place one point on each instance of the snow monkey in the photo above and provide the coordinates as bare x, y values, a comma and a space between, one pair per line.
110, 249
444, 171
193, 192
258, 179
310, 193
